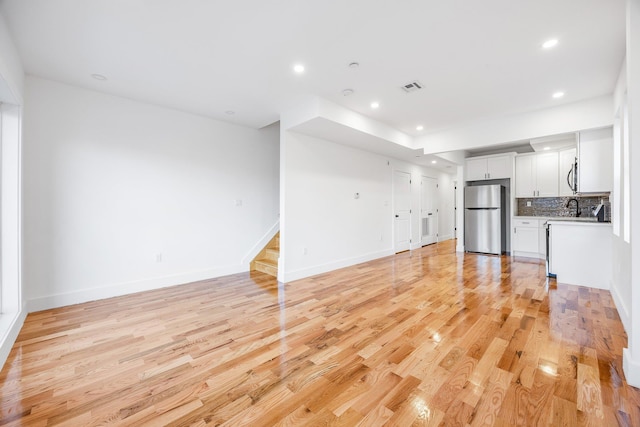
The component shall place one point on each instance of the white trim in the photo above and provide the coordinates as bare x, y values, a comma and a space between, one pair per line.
319, 269
414, 246
255, 250
445, 237
622, 308
534, 255
85, 295
11, 323
631, 368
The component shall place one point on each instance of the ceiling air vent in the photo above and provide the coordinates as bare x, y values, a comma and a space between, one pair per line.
412, 87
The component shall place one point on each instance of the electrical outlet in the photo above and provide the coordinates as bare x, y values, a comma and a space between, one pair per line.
528, 203
159, 257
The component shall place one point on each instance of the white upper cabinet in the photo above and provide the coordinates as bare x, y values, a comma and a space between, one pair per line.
547, 174
567, 159
595, 161
525, 179
537, 175
476, 169
489, 167
499, 167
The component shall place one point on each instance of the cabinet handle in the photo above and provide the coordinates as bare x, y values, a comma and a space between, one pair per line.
488, 174
525, 222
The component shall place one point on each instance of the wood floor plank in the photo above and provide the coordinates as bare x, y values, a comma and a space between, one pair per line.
427, 337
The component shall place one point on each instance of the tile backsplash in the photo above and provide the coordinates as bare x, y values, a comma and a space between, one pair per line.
557, 206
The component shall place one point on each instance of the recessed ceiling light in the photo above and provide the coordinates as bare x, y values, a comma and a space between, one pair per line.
99, 77
374, 105
434, 161
347, 92
550, 43
298, 68
419, 127
354, 65
230, 112
546, 148
558, 95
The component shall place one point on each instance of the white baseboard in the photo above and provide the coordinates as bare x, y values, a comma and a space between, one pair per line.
255, 250
115, 290
622, 308
631, 368
10, 325
445, 237
460, 246
290, 276
414, 246
527, 254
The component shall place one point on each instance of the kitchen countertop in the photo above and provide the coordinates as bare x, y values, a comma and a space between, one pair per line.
578, 221
531, 217
565, 219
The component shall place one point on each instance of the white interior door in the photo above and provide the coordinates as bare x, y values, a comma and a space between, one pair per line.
402, 211
428, 211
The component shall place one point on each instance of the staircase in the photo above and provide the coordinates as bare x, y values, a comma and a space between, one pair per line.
267, 260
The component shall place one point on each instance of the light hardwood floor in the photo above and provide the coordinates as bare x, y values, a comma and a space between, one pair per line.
430, 337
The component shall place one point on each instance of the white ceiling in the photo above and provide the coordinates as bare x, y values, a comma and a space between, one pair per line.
475, 58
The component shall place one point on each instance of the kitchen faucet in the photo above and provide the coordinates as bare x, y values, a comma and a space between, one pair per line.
577, 206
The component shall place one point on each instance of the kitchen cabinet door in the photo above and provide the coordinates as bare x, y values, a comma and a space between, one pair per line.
476, 169
546, 171
499, 167
595, 161
525, 179
566, 160
525, 239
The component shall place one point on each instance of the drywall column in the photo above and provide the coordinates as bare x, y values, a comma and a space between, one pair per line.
631, 356
460, 209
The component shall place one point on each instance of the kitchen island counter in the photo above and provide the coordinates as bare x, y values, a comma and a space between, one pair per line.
580, 252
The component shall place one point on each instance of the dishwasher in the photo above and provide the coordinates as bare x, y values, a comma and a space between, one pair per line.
547, 229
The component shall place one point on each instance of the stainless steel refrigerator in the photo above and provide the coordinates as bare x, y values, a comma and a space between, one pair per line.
484, 219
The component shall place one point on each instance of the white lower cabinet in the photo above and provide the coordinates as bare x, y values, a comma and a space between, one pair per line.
529, 238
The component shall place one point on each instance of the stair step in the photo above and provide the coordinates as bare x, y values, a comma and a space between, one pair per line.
272, 254
267, 266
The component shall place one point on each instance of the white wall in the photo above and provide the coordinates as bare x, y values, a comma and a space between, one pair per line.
319, 212
621, 280
446, 215
631, 355
11, 72
12, 313
122, 196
